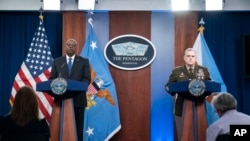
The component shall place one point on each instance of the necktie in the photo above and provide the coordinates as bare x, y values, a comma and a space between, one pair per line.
191, 72
70, 64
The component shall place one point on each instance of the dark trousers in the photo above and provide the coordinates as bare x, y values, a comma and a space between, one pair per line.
79, 115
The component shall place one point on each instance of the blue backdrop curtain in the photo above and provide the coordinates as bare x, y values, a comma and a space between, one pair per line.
224, 33
16, 32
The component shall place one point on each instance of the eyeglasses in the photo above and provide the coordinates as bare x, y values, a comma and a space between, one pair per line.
71, 45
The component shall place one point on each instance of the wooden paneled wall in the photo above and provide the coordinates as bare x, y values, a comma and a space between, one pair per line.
186, 29
74, 26
133, 87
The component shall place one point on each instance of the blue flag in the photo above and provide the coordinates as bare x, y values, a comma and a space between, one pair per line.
205, 58
101, 119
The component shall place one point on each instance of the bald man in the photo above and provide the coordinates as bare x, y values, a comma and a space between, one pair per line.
79, 71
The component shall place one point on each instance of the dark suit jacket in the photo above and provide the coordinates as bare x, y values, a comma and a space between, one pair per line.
181, 74
80, 71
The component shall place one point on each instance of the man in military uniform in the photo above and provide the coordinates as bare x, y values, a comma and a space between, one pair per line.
190, 70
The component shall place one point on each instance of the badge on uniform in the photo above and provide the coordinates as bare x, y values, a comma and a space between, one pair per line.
182, 74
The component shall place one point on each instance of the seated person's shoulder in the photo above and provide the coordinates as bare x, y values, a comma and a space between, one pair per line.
5, 119
39, 124
223, 137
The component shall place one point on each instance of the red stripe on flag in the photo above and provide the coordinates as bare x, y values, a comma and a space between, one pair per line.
15, 85
47, 73
42, 108
24, 78
48, 98
44, 111
46, 95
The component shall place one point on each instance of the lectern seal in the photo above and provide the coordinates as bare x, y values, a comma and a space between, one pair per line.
59, 86
196, 87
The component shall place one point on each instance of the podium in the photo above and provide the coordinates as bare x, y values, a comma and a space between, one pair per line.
194, 92
62, 123
183, 88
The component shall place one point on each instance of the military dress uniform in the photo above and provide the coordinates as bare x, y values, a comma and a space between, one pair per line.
182, 73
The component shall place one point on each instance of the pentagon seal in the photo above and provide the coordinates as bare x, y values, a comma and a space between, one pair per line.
196, 87
59, 86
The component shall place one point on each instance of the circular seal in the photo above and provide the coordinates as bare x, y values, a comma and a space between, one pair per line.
130, 52
59, 86
196, 87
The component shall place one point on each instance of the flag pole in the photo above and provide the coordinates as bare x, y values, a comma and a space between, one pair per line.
90, 20
41, 14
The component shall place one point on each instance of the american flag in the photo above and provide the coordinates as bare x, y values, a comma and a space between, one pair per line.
34, 69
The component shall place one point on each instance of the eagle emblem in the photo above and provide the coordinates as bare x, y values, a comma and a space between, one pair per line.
95, 91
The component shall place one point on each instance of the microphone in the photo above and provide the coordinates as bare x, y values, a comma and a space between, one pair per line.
61, 69
200, 74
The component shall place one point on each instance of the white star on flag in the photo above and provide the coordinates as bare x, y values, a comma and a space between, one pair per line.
90, 131
93, 45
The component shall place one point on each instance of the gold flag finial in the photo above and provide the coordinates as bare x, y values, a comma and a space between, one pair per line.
201, 28
41, 14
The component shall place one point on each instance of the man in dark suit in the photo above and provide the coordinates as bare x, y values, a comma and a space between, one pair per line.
190, 70
80, 71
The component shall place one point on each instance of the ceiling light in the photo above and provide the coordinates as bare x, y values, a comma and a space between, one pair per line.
51, 4
178, 5
86, 4
214, 4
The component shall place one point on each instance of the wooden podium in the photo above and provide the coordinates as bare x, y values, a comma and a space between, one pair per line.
62, 124
194, 122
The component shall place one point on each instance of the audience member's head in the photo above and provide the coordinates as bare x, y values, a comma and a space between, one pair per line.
224, 102
25, 106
